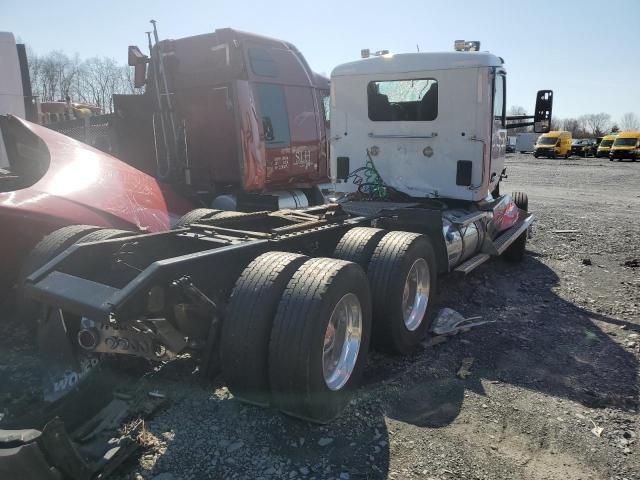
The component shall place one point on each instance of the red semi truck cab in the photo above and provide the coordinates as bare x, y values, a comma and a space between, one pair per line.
251, 110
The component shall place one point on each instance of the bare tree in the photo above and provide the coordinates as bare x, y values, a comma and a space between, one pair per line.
630, 122
557, 123
597, 123
56, 76
574, 125
517, 110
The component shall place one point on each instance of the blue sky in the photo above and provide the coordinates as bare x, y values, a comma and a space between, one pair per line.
585, 52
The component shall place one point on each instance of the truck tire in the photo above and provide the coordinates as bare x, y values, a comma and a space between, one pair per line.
358, 244
247, 327
195, 216
325, 300
46, 249
104, 234
515, 251
227, 214
403, 277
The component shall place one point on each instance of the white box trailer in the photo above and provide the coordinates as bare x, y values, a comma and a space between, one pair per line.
11, 93
525, 142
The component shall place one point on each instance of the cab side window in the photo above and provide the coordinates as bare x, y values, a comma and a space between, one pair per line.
403, 100
498, 100
262, 63
275, 119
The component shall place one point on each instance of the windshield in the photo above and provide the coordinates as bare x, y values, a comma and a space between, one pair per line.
606, 143
625, 142
547, 140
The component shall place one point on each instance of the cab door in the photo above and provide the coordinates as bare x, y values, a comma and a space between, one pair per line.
499, 131
272, 104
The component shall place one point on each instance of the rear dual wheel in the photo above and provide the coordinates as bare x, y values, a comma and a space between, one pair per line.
402, 273
320, 339
403, 276
297, 334
297, 331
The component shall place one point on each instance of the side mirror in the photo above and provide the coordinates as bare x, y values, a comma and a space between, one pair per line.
542, 115
138, 61
140, 75
267, 126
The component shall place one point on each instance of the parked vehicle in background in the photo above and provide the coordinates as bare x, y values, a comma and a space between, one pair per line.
626, 145
235, 119
12, 88
511, 144
605, 146
525, 142
597, 140
553, 144
583, 147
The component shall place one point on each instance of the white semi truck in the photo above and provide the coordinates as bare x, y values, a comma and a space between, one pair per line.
287, 303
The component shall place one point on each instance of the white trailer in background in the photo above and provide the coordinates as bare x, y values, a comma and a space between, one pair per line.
525, 142
11, 93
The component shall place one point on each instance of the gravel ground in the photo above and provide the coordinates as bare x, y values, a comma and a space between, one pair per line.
553, 391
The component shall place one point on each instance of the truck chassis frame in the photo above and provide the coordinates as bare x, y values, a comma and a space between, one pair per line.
159, 295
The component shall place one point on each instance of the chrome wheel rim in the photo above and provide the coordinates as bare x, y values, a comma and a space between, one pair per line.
342, 342
415, 296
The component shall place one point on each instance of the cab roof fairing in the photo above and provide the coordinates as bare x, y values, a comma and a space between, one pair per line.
416, 62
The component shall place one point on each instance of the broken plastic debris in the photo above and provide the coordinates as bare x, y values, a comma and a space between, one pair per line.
465, 368
156, 394
596, 430
450, 322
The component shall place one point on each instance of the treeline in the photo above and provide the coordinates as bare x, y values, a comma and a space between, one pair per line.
590, 125
56, 76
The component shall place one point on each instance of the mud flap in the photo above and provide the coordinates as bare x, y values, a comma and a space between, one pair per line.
66, 365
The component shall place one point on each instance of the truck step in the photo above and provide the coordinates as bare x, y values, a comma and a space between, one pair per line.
465, 220
510, 236
472, 263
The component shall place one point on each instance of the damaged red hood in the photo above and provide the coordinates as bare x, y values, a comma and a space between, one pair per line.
81, 178
54, 181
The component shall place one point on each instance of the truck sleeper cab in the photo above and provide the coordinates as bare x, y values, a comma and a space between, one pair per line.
553, 144
626, 145
421, 119
605, 146
249, 117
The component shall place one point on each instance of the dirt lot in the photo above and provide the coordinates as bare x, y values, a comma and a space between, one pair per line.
553, 391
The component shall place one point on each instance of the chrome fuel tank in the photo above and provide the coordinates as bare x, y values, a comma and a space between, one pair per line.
462, 240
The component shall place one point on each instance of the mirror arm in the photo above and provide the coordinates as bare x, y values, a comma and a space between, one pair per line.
520, 125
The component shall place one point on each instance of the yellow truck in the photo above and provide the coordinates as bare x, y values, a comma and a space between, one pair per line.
553, 144
626, 145
605, 146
